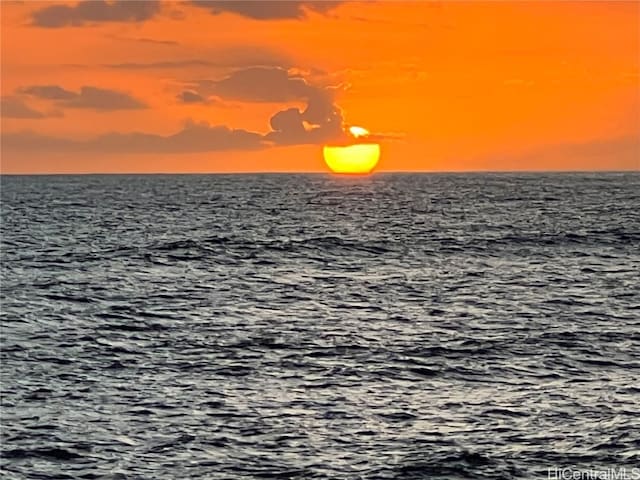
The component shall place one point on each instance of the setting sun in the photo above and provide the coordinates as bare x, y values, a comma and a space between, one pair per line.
358, 158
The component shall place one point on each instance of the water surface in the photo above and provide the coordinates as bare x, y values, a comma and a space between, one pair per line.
316, 327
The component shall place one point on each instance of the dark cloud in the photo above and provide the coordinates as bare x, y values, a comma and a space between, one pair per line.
49, 92
101, 99
261, 84
294, 127
14, 107
321, 109
289, 120
267, 9
88, 97
95, 11
194, 137
320, 121
189, 96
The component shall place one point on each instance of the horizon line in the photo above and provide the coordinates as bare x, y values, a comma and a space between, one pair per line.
315, 172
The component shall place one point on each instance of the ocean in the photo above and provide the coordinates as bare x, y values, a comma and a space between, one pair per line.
395, 326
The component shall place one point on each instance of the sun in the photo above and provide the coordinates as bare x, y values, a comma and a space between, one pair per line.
358, 158
358, 131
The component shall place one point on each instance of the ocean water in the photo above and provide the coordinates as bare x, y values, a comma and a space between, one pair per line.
317, 327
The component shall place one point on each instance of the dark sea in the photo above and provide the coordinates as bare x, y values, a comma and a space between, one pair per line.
397, 326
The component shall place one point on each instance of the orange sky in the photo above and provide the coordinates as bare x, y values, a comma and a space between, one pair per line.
446, 86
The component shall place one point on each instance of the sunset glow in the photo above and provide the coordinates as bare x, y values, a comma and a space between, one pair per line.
161, 86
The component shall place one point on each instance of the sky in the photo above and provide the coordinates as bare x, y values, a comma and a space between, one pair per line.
246, 86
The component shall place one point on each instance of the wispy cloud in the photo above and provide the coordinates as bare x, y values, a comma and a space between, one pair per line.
49, 92
15, 107
194, 137
88, 97
231, 57
151, 41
